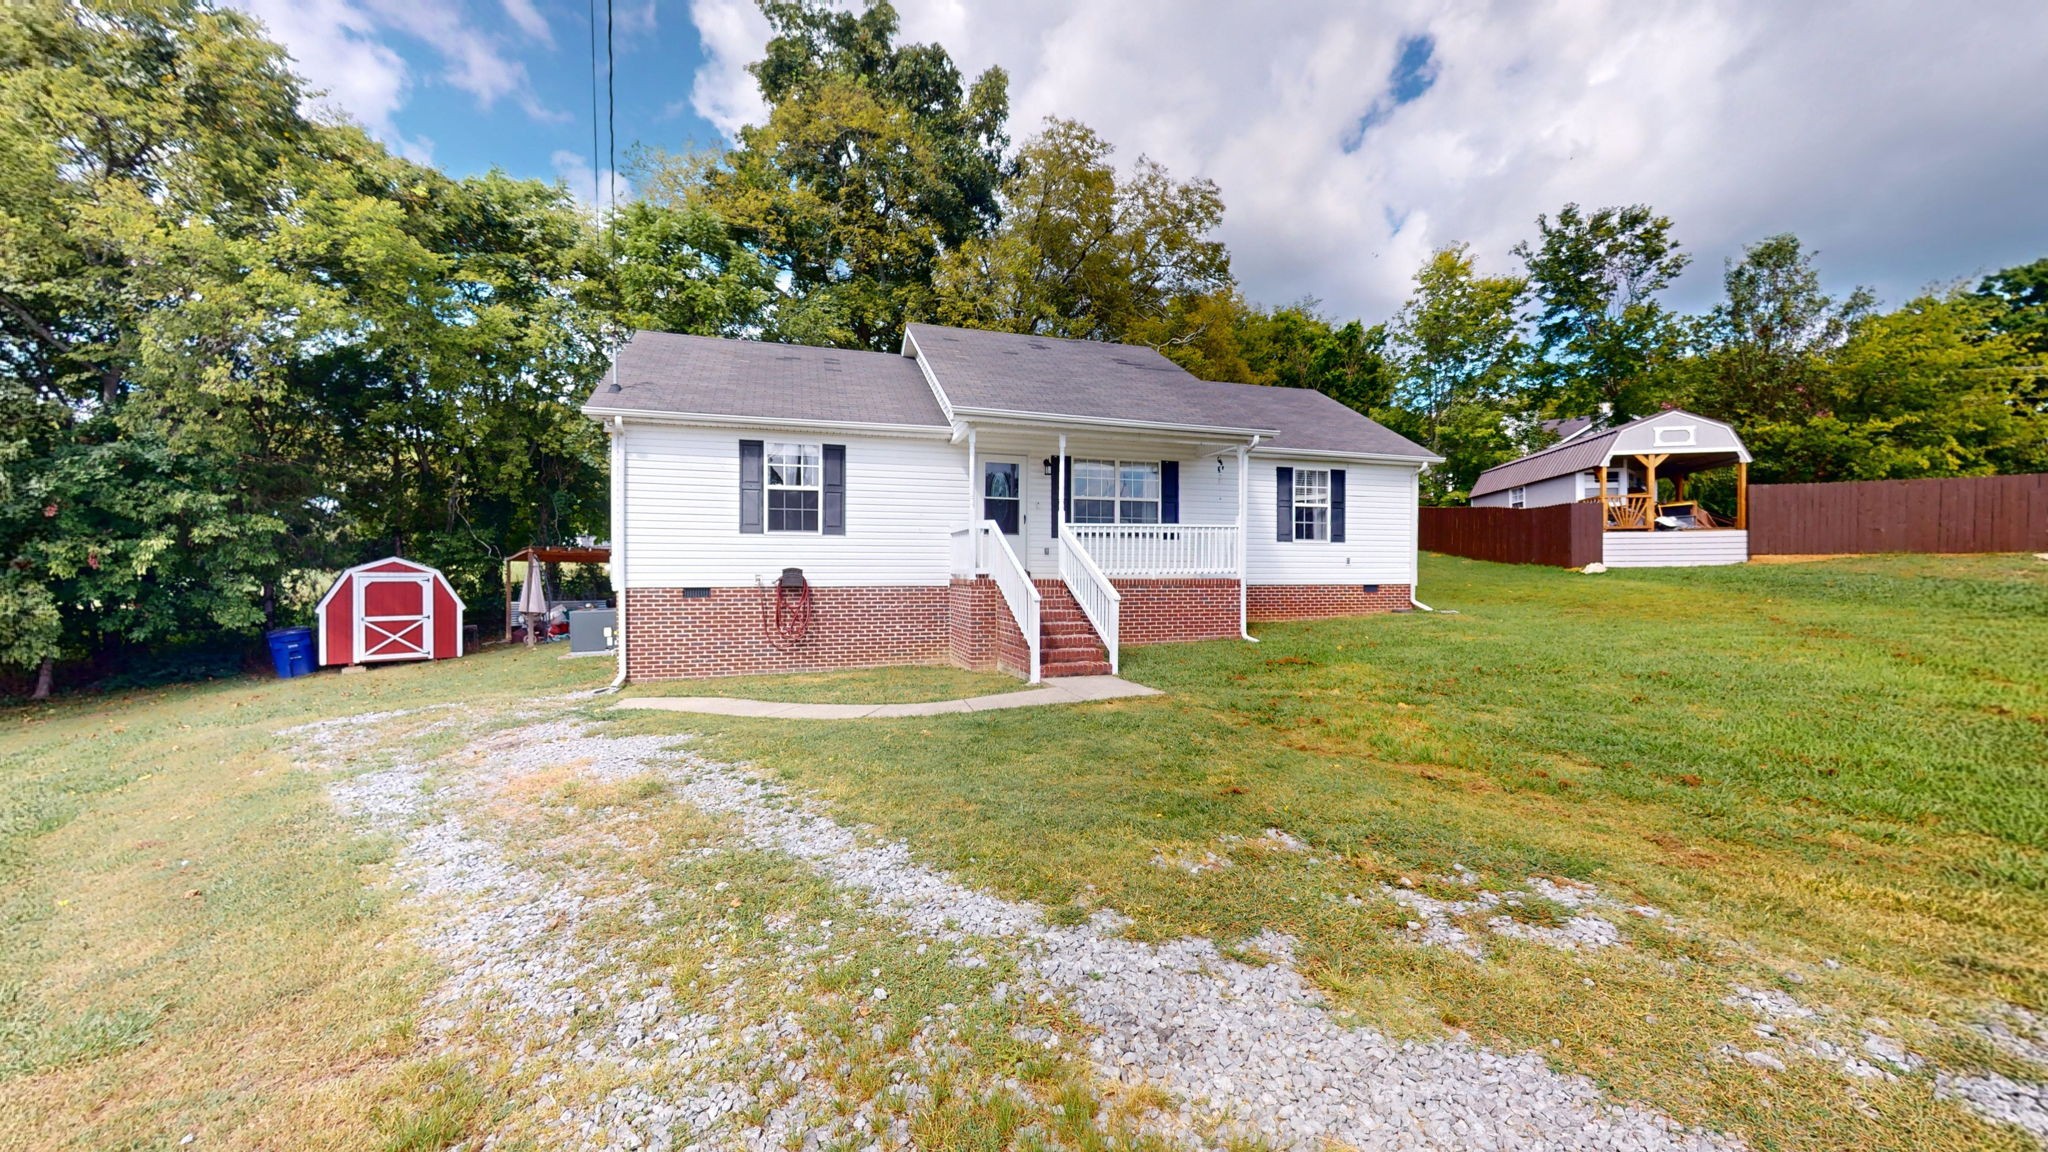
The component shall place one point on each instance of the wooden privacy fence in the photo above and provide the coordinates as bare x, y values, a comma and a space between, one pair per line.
1560, 535
1951, 514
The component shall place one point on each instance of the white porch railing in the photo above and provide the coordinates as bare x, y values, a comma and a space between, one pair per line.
982, 548
1099, 599
1160, 549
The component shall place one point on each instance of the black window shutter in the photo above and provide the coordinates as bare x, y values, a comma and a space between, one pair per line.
1336, 505
834, 515
1283, 504
750, 486
1169, 491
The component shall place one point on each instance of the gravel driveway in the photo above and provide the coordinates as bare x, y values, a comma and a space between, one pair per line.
1225, 1050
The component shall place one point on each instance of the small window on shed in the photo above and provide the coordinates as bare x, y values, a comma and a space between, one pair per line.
1677, 435
1518, 497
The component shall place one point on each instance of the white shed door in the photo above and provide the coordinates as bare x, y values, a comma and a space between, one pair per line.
394, 616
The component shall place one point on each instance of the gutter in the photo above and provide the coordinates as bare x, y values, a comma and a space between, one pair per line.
619, 550
720, 419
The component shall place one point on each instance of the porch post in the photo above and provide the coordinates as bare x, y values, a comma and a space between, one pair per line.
972, 519
1742, 495
1059, 489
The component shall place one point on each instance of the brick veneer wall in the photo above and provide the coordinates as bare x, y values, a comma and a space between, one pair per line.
1316, 601
670, 636
965, 623
1162, 611
980, 631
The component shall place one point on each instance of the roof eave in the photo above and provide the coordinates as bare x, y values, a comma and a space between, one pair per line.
1058, 420
728, 420
1336, 454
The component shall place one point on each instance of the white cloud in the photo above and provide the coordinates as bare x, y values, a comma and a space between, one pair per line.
530, 21
334, 45
604, 187
344, 47
1908, 142
733, 34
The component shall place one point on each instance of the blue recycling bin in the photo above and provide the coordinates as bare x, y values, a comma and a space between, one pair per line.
291, 651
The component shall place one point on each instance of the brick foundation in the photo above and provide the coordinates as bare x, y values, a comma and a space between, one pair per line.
980, 632
1168, 611
671, 637
1318, 601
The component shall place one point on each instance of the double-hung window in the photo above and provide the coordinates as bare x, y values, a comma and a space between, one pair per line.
1518, 497
1115, 492
1311, 503
796, 474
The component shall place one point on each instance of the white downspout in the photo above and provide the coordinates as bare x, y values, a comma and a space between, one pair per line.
618, 431
1415, 490
1244, 541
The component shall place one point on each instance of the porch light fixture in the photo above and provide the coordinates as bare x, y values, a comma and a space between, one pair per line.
1048, 467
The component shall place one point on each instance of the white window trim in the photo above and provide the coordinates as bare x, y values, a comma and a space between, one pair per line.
1677, 435
1518, 496
1299, 502
1118, 500
805, 451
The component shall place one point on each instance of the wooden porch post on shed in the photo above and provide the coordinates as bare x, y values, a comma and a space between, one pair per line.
1650, 485
1742, 495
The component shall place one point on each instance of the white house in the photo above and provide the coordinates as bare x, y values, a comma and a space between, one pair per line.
1620, 467
913, 496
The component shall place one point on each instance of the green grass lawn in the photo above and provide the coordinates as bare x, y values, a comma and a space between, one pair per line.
1832, 773
188, 936
905, 685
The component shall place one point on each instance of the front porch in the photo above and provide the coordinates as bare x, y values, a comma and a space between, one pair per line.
1064, 523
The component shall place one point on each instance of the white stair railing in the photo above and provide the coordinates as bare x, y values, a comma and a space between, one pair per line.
1100, 602
994, 556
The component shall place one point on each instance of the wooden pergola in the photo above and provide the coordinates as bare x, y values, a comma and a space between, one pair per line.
546, 556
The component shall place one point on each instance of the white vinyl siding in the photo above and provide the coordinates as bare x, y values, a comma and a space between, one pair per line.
680, 518
1674, 549
678, 522
1541, 494
1379, 525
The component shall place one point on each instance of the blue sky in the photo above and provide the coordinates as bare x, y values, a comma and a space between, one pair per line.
1907, 142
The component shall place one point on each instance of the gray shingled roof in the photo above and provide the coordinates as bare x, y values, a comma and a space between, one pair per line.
1576, 455
985, 371
1089, 379
706, 376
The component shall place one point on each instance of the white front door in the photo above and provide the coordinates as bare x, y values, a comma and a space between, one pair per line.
394, 616
1002, 497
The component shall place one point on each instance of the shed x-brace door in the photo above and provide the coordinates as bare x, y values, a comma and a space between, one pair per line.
394, 617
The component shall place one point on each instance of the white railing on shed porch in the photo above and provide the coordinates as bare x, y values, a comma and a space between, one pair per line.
1160, 549
1100, 602
980, 549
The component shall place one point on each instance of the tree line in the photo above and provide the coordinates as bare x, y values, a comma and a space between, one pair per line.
242, 345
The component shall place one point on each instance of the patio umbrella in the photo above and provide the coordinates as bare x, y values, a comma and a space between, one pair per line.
533, 600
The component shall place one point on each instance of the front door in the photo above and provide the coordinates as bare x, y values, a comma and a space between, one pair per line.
1002, 498
394, 617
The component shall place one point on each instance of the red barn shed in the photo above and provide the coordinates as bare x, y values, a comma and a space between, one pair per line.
389, 609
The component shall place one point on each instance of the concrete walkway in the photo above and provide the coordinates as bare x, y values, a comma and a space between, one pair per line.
1061, 690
